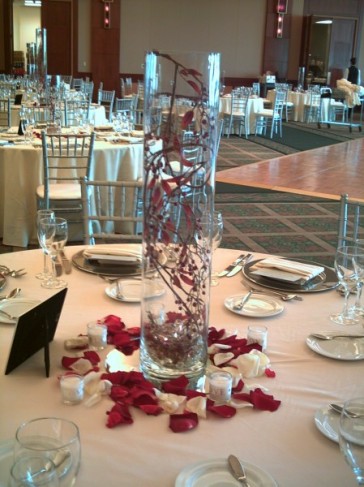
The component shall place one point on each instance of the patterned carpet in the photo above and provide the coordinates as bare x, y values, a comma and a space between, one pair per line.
277, 223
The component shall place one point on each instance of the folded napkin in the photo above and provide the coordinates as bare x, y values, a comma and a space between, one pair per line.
125, 138
103, 128
129, 254
286, 270
137, 133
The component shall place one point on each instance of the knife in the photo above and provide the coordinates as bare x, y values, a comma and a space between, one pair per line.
65, 262
231, 266
240, 265
238, 470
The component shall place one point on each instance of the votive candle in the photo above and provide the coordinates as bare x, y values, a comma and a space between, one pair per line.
220, 384
97, 335
72, 388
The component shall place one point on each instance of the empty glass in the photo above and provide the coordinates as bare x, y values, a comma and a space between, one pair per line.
53, 236
44, 214
351, 436
217, 231
55, 438
349, 263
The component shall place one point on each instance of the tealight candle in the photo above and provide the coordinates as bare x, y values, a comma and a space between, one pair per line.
72, 387
258, 334
220, 384
97, 335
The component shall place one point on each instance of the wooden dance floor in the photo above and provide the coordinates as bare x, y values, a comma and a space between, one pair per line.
326, 172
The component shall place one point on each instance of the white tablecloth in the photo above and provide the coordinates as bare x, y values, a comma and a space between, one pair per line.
300, 99
21, 169
97, 115
285, 443
254, 105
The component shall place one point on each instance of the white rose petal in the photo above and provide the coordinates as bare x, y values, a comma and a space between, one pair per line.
197, 405
223, 358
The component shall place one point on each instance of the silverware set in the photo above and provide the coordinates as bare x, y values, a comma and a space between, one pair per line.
236, 266
5, 271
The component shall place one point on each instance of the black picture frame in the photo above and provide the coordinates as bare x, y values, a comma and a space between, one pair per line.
34, 330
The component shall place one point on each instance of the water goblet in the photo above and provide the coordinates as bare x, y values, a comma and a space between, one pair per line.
351, 436
53, 237
44, 214
217, 232
33, 470
347, 261
55, 438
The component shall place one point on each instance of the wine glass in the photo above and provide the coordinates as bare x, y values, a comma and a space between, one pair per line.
44, 214
217, 231
351, 436
358, 307
53, 236
348, 260
55, 438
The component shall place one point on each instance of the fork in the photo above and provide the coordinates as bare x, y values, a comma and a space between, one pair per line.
283, 296
16, 273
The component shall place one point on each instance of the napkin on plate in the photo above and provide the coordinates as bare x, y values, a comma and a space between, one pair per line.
127, 254
286, 270
125, 138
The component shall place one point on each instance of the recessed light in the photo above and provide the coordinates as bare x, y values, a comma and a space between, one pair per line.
328, 21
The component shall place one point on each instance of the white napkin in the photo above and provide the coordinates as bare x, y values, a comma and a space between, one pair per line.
137, 133
103, 128
286, 270
129, 254
125, 138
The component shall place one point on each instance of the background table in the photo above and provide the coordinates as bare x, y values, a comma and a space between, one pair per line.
254, 105
285, 443
21, 170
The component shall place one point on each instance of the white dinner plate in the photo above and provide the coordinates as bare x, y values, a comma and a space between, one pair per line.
15, 307
216, 473
258, 306
130, 291
327, 422
339, 348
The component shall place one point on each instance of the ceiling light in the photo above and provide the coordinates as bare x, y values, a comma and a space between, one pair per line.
32, 3
327, 21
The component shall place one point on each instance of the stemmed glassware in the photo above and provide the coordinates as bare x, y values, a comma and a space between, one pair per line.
351, 436
44, 214
349, 263
217, 231
53, 236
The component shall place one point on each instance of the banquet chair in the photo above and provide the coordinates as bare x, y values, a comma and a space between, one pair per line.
126, 87
237, 117
40, 114
5, 113
271, 116
66, 158
312, 109
106, 98
88, 89
112, 211
77, 112
77, 84
124, 105
351, 222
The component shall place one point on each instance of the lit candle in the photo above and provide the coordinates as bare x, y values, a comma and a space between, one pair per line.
72, 387
97, 335
220, 384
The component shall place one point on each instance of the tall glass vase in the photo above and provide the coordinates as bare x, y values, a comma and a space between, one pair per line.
181, 106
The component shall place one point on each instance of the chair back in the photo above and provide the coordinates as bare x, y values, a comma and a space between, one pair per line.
124, 105
77, 84
279, 102
351, 222
112, 211
106, 98
88, 89
77, 112
5, 112
66, 158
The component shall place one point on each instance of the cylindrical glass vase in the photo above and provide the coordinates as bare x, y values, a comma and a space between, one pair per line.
181, 127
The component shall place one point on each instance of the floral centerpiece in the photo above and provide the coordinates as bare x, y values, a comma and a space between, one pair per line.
181, 101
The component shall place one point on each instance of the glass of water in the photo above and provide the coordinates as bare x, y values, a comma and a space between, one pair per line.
54, 438
351, 436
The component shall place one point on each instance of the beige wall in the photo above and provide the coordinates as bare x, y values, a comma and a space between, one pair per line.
26, 21
235, 28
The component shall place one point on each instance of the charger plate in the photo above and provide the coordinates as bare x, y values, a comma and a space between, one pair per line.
80, 262
339, 348
327, 422
323, 282
216, 473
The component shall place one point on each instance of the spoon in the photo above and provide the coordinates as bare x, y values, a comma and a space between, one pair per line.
323, 336
12, 294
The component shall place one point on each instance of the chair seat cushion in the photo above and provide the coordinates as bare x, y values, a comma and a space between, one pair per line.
61, 191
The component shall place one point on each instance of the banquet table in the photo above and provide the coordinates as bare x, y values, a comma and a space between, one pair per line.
299, 100
21, 170
285, 443
255, 104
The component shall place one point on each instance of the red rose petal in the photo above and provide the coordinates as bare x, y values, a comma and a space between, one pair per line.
179, 423
176, 386
119, 414
151, 409
270, 373
263, 401
224, 411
